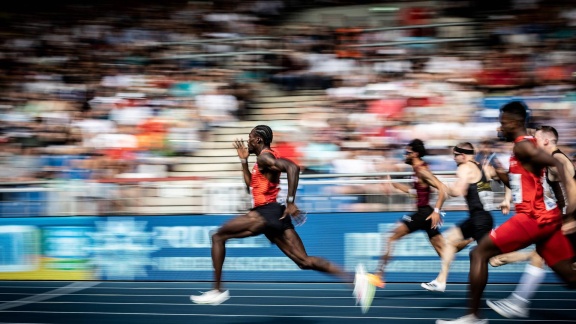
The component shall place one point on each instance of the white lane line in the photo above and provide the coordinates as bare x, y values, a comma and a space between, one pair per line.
260, 305
73, 287
281, 289
254, 282
290, 297
281, 316
207, 282
201, 288
242, 283
283, 305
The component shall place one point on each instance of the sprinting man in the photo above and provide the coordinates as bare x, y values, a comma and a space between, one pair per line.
268, 217
471, 182
488, 159
518, 303
425, 218
536, 220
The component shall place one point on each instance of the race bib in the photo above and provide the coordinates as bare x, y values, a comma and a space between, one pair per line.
516, 187
549, 197
487, 199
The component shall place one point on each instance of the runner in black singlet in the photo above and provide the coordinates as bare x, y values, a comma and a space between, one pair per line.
471, 183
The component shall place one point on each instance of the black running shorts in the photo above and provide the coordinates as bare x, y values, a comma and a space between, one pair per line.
477, 225
272, 213
417, 221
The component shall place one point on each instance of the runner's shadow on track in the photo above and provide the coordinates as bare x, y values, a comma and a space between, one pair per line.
280, 320
557, 315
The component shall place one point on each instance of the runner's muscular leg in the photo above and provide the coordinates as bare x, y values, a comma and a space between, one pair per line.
242, 226
537, 261
400, 231
290, 243
478, 275
463, 244
453, 240
566, 269
512, 257
438, 241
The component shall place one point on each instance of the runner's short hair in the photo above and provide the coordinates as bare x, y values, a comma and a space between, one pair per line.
265, 133
465, 148
516, 108
549, 130
418, 146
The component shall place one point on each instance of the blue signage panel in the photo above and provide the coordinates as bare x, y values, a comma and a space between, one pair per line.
177, 248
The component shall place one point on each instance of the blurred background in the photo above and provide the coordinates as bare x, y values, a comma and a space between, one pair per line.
131, 107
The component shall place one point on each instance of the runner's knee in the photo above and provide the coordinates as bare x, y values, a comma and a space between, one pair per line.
306, 264
312, 263
395, 237
477, 253
217, 237
485, 250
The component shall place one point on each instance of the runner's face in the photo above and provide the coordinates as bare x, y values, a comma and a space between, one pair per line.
507, 126
252, 142
459, 158
540, 140
408, 155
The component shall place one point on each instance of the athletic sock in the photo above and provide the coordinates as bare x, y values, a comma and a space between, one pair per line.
529, 282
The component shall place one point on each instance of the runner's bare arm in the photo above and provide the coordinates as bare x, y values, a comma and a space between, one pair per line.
460, 187
502, 174
243, 154
555, 177
431, 179
525, 151
505, 204
399, 186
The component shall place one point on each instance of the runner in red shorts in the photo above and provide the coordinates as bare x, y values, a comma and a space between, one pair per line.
535, 222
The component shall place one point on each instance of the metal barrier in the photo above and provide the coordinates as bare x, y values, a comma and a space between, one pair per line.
328, 193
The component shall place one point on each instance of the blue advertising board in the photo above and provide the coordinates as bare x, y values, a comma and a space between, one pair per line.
177, 248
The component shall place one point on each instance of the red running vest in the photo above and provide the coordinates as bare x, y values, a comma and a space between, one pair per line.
528, 190
263, 191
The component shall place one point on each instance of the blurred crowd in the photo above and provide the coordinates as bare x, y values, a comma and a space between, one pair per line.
108, 86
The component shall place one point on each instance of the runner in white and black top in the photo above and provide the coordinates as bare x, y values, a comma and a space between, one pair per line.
471, 183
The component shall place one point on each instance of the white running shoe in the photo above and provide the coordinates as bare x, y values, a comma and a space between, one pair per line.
360, 283
212, 297
364, 291
434, 286
510, 307
468, 319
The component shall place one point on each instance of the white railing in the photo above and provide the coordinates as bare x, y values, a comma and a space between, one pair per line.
226, 195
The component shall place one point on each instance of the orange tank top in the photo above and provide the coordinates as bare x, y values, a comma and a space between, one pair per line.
528, 190
263, 190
